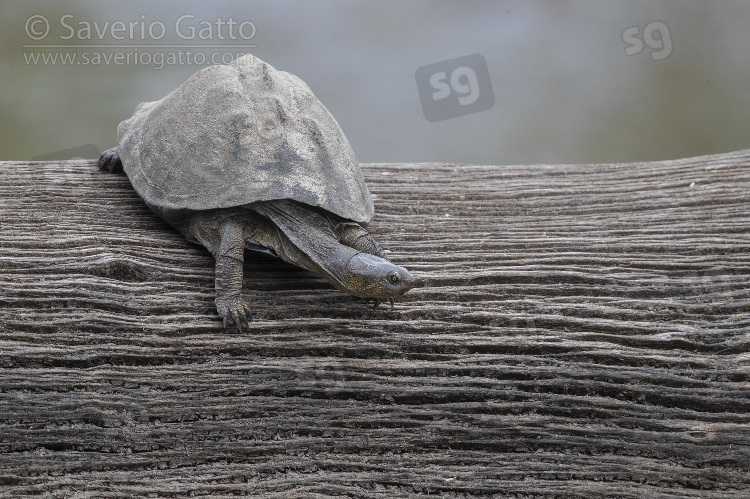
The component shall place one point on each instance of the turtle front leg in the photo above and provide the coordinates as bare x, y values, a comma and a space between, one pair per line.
229, 272
355, 236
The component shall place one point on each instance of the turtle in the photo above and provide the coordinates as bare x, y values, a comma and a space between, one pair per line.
244, 156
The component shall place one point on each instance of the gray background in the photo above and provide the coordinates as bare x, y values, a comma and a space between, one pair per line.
564, 89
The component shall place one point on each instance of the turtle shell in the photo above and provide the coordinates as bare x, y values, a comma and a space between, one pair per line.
238, 134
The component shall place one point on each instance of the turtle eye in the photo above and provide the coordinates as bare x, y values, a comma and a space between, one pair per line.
394, 278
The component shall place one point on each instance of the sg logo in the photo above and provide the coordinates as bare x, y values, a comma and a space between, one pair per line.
455, 87
661, 45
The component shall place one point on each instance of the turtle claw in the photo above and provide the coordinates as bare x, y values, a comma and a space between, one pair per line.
376, 302
234, 311
109, 160
244, 318
237, 322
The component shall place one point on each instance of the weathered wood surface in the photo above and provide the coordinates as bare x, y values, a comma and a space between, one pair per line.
578, 331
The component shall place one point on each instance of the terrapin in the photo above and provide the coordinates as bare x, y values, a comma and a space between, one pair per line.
245, 156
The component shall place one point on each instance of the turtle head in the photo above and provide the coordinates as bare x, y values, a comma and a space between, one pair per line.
369, 276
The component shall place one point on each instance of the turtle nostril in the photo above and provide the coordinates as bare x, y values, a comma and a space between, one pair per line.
408, 279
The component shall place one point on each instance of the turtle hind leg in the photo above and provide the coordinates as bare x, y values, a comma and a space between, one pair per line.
109, 160
353, 235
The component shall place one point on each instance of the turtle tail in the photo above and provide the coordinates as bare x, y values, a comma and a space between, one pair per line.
109, 160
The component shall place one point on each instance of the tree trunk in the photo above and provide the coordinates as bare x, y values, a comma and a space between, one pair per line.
576, 331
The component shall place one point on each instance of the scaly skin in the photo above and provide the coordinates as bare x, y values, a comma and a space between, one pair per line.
229, 259
339, 250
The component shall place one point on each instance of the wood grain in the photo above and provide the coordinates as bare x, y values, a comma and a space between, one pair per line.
577, 331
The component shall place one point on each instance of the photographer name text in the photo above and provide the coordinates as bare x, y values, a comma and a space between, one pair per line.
185, 27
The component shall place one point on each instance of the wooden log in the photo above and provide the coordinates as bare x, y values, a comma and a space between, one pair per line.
577, 331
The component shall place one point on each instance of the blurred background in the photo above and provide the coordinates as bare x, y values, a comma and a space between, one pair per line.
548, 81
